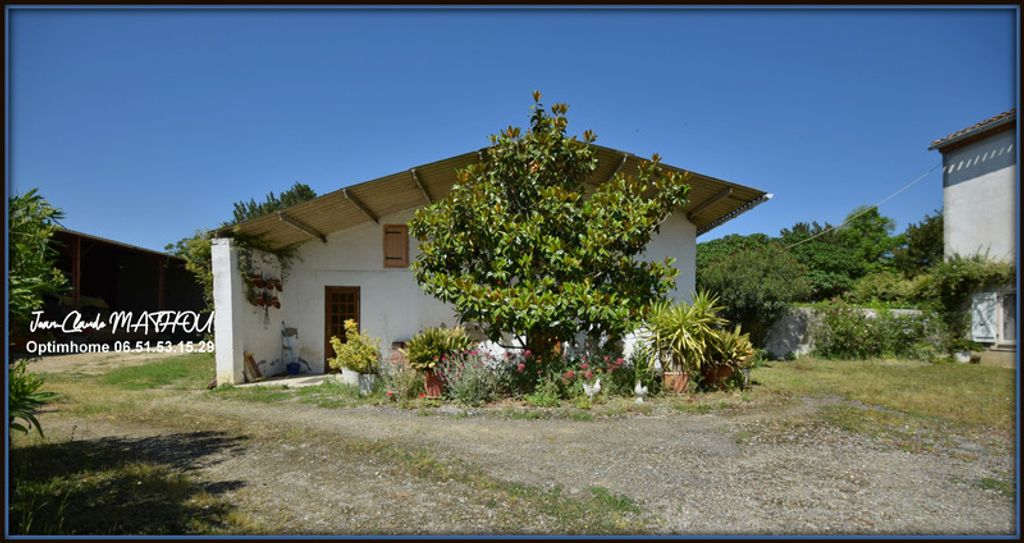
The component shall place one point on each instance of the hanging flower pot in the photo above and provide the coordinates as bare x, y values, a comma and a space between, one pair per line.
275, 302
259, 300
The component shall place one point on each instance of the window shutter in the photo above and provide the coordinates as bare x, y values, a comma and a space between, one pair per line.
983, 317
396, 246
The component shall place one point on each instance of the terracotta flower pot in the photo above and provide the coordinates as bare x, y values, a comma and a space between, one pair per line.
715, 375
432, 384
675, 381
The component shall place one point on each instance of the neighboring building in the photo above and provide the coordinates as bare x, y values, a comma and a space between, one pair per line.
979, 198
353, 256
106, 275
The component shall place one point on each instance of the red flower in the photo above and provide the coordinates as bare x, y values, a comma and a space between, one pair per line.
423, 394
584, 366
527, 353
607, 358
589, 375
619, 361
521, 367
569, 375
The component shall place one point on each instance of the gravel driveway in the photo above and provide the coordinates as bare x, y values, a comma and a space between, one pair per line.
691, 473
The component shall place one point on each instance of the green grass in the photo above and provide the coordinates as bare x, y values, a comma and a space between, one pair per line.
981, 397
332, 395
188, 372
113, 486
258, 394
1003, 487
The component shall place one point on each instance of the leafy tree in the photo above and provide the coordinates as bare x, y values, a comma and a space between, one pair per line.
517, 248
726, 246
837, 257
196, 249
755, 279
921, 246
33, 273
882, 286
298, 193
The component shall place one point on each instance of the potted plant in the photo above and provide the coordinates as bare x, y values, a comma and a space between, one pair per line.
358, 357
429, 347
732, 352
681, 336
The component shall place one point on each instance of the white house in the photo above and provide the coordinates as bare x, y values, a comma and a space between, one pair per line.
979, 213
354, 252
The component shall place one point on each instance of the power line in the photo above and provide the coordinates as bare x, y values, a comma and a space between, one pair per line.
869, 208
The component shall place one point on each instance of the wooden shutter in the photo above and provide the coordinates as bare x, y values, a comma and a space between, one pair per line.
396, 246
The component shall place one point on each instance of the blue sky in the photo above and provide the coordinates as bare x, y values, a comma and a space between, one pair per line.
146, 125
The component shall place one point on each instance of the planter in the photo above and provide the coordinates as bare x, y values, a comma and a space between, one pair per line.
350, 377
715, 375
432, 384
675, 381
364, 381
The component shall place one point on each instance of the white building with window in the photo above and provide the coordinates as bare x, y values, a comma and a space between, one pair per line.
979, 198
353, 254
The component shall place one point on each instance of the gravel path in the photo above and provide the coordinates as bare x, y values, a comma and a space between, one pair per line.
695, 473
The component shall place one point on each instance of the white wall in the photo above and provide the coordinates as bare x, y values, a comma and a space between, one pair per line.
392, 306
979, 198
678, 239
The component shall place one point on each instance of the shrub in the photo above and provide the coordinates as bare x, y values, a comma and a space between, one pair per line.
845, 331
546, 394
427, 348
470, 378
573, 371
755, 283
359, 352
732, 348
641, 362
402, 382
948, 286
32, 270
681, 333
882, 286
26, 398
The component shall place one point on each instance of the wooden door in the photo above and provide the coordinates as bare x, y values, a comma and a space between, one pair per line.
340, 304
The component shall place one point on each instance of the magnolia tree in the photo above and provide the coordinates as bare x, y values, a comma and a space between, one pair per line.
519, 249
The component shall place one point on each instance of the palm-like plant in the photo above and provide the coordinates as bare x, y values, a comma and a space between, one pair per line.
733, 348
426, 348
682, 334
25, 398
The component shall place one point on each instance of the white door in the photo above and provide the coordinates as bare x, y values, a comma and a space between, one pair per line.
983, 317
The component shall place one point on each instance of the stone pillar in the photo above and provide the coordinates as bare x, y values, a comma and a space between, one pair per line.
228, 297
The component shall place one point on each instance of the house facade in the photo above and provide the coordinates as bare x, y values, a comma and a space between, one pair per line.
979, 198
352, 261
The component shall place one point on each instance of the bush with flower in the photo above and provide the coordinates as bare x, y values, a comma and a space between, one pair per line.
471, 377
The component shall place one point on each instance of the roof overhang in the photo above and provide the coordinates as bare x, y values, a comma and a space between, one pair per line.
712, 201
1004, 121
106, 241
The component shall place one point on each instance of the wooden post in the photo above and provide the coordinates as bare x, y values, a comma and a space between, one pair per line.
76, 272
161, 295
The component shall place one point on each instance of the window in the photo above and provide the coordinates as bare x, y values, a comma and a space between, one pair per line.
396, 246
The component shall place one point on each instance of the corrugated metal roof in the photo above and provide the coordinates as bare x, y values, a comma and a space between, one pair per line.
1003, 120
714, 200
68, 231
